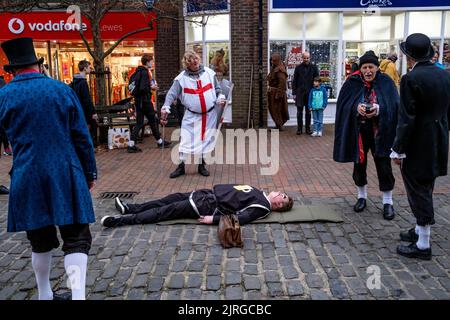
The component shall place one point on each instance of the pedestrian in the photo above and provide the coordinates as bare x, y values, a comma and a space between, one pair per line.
276, 91
435, 59
248, 202
366, 118
53, 167
317, 102
388, 67
3, 138
422, 141
144, 106
302, 83
80, 86
198, 90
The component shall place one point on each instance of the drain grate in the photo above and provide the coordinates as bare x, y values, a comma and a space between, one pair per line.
121, 195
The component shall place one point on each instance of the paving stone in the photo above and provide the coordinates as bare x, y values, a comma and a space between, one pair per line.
272, 276
192, 294
251, 269
317, 294
338, 289
295, 288
275, 289
194, 281
155, 284
306, 266
290, 272
213, 282
176, 281
211, 295
252, 283
232, 278
314, 281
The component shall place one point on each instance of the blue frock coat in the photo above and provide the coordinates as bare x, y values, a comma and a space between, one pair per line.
53, 154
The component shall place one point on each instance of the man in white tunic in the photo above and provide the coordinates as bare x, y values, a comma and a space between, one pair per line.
199, 91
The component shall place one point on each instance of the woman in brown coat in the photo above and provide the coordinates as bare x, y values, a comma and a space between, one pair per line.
276, 91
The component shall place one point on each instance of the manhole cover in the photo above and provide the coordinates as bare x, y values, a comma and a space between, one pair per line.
121, 195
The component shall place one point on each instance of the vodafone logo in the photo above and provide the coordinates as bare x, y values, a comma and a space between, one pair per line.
19, 23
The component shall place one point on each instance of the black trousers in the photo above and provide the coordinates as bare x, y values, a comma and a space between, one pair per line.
302, 104
145, 108
76, 239
420, 198
3, 138
386, 180
174, 206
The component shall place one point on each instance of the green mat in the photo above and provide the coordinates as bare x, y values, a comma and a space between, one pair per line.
299, 213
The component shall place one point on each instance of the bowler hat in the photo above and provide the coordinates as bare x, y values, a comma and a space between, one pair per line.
418, 47
20, 53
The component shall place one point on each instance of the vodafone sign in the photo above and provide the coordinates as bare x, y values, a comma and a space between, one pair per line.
57, 26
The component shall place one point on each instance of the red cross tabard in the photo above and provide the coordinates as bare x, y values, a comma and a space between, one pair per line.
200, 90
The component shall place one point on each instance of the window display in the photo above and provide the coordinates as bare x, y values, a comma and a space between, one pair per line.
291, 55
324, 54
218, 58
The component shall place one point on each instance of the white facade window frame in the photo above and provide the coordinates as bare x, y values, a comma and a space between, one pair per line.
340, 59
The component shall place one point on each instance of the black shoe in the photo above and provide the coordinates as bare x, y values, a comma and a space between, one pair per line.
134, 149
4, 190
62, 296
308, 131
164, 144
388, 211
121, 206
111, 221
409, 236
411, 251
179, 171
202, 170
360, 205
299, 132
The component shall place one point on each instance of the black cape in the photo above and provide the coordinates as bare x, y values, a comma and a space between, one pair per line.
347, 122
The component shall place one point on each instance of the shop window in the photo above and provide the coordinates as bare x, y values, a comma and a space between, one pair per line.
352, 28
197, 48
218, 58
427, 22
285, 25
194, 29
324, 54
291, 54
447, 24
217, 27
446, 55
399, 25
322, 25
376, 28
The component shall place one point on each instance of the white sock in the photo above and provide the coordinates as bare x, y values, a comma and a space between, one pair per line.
131, 143
159, 141
362, 192
387, 197
424, 237
42, 263
76, 265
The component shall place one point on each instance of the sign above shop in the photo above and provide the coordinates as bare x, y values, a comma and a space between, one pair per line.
194, 7
60, 26
356, 4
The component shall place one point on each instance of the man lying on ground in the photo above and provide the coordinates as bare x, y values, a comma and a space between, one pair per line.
246, 201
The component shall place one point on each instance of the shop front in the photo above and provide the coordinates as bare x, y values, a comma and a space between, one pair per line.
58, 41
336, 33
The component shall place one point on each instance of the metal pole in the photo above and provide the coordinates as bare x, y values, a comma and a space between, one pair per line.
260, 62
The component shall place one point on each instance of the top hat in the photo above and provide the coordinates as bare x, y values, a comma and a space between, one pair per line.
418, 47
20, 53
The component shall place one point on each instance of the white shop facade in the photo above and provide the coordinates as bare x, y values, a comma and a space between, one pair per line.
337, 32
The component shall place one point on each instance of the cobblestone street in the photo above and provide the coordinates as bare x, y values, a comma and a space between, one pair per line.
278, 261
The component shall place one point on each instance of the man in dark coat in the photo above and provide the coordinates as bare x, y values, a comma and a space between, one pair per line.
53, 167
421, 144
80, 86
302, 83
144, 106
246, 201
366, 118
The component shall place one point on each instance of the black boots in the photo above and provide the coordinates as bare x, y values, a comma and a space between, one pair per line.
202, 169
179, 171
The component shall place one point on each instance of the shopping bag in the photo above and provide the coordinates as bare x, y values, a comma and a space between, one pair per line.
118, 138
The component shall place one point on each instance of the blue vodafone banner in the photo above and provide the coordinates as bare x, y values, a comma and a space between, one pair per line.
355, 4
